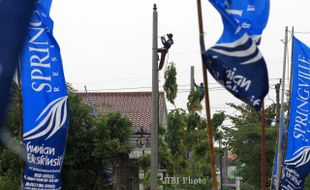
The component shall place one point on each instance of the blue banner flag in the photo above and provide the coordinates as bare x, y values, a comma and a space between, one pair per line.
14, 15
45, 101
235, 61
296, 165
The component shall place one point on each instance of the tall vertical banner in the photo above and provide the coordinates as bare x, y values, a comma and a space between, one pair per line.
45, 106
14, 15
235, 60
296, 165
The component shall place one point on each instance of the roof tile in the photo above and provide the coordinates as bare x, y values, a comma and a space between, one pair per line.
137, 106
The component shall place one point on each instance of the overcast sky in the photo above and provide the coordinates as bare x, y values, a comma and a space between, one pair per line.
107, 45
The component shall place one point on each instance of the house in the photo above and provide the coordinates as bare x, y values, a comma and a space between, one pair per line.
137, 106
225, 165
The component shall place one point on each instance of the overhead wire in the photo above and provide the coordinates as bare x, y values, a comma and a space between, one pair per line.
180, 90
301, 32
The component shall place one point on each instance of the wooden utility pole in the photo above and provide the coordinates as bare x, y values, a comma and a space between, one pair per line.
155, 103
207, 100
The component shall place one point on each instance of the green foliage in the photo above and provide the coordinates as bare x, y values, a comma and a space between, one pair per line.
195, 130
147, 181
307, 183
217, 121
245, 140
164, 157
145, 162
91, 146
9, 170
186, 135
195, 122
193, 104
174, 137
170, 85
9, 162
120, 131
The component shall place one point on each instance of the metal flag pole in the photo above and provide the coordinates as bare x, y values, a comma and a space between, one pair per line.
290, 92
263, 143
207, 100
155, 103
279, 160
91, 103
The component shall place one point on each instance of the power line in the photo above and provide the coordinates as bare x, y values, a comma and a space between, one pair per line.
180, 91
302, 32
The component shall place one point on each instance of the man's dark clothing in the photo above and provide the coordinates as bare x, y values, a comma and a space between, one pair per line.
164, 50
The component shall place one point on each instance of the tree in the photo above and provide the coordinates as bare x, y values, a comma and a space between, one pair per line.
171, 86
9, 162
193, 104
186, 138
91, 146
244, 139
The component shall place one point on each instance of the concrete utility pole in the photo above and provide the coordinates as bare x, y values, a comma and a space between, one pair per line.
277, 87
155, 103
192, 77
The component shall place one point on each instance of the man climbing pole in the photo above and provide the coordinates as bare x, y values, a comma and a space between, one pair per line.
164, 50
201, 90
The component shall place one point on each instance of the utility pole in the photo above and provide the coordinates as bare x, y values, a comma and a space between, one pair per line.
192, 77
277, 87
279, 160
155, 103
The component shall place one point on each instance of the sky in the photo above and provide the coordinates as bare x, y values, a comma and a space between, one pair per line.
107, 45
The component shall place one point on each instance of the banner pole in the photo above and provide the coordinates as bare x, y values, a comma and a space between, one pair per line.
289, 93
263, 142
91, 103
279, 160
207, 100
20, 120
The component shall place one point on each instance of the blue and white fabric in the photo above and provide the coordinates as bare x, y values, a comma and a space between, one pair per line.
296, 165
235, 60
14, 15
45, 103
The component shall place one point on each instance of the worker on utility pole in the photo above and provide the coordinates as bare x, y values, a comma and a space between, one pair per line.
201, 89
164, 50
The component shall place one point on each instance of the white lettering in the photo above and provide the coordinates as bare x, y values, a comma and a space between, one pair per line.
40, 56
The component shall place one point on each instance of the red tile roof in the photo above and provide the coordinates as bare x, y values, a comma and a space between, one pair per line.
137, 106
